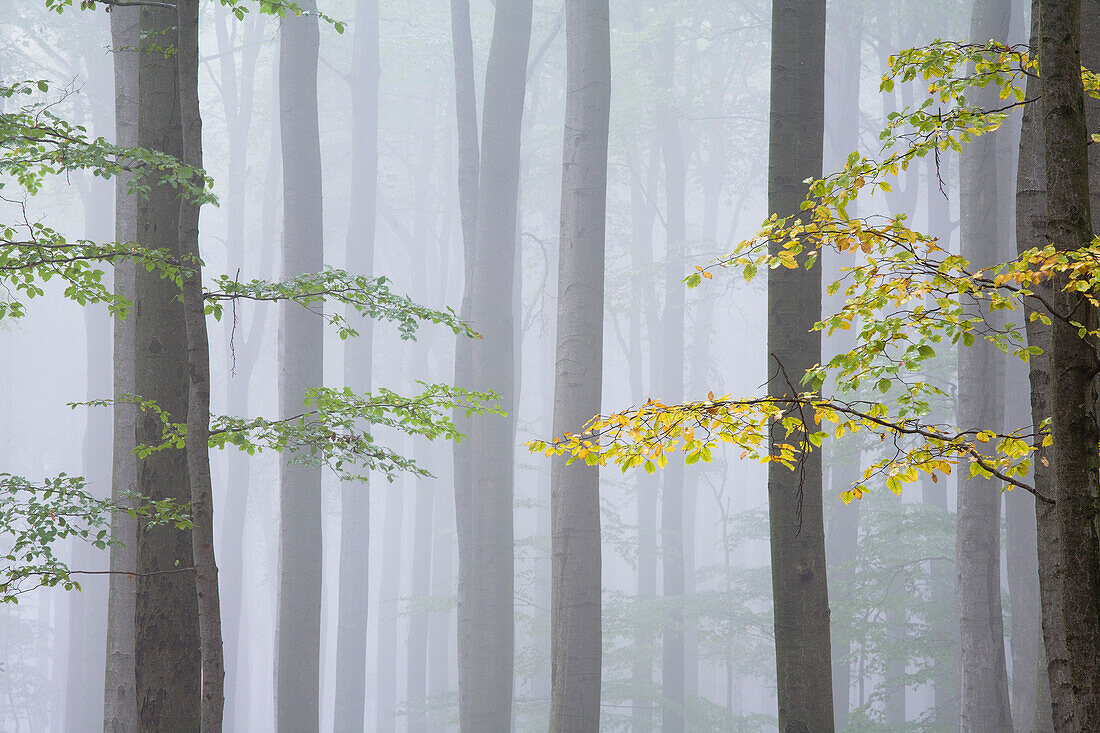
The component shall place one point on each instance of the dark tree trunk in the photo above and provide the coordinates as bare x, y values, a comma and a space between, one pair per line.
799, 583
167, 652
119, 706
298, 632
198, 363
576, 630
1074, 458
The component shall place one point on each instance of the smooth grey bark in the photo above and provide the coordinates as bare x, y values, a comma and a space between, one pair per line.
440, 640
298, 621
672, 387
1073, 367
486, 639
416, 682
1021, 547
389, 587
799, 578
462, 451
419, 250
119, 702
642, 219
167, 655
575, 621
984, 702
351, 631
197, 445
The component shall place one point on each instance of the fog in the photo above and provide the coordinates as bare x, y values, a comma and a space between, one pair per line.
688, 639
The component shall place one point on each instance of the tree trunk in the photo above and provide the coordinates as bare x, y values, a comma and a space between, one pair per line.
642, 218
1021, 550
486, 584
298, 633
238, 100
84, 674
351, 633
1073, 368
198, 363
167, 653
389, 591
672, 388
576, 630
844, 44
984, 702
799, 583
462, 451
119, 706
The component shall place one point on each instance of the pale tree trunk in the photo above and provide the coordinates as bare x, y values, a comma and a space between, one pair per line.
1021, 550
799, 583
672, 388
238, 94
84, 674
167, 654
298, 623
420, 251
945, 683
351, 631
119, 706
462, 451
984, 702
198, 363
440, 641
1072, 363
642, 217
486, 641
842, 85
576, 631
389, 588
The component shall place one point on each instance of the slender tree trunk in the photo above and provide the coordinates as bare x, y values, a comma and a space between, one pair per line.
238, 94
672, 388
576, 629
84, 673
1021, 550
842, 85
198, 363
799, 583
1073, 368
119, 706
642, 217
167, 653
351, 634
487, 642
298, 633
389, 589
984, 702
945, 678
416, 683
462, 451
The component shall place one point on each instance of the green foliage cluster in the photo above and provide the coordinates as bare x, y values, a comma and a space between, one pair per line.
36, 516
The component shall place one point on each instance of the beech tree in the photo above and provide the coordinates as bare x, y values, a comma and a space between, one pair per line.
576, 626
